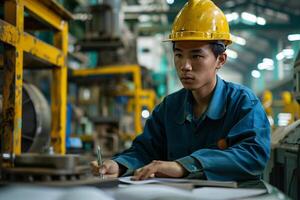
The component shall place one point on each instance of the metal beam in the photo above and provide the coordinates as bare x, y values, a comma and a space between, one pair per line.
44, 13
11, 35
16, 42
59, 95
236, 6
275, 7
267, 27
11, 125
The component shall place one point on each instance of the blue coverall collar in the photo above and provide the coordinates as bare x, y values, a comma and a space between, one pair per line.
216, 108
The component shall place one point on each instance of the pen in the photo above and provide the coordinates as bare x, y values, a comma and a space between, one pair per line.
99, 159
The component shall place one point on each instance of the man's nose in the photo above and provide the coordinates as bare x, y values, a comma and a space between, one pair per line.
186, 65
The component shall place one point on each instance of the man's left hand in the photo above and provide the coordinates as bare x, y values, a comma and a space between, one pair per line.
159, 168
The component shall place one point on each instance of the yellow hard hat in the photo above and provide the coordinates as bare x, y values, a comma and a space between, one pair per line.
267, 96
200, 20
286, 97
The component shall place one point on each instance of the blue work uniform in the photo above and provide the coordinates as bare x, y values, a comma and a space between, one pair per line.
172, 133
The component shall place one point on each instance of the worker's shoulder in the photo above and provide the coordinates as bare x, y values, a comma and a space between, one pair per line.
176, 96
238, 91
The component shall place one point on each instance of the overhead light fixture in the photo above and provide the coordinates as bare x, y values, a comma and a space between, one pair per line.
288, 53
249, 17
268, 61
260, 21
170, 1
264, 66
232, 54
238, 40
253, 18
267, 64
285, 53
280, 56
294, 37
232, 16
255, 74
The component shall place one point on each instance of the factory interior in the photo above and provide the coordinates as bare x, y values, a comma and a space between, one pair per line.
77, 75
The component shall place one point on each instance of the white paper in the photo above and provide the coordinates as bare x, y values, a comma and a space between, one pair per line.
127, 179
216, 193
196, 182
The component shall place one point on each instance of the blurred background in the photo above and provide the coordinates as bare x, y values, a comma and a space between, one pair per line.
75, 74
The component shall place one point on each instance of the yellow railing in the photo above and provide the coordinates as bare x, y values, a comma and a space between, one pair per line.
16, 42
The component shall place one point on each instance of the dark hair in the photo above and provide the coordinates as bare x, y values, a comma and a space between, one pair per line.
217, 47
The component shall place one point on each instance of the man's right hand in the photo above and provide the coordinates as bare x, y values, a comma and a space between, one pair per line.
109, 168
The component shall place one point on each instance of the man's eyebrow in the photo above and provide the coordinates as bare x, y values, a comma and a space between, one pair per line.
176, 49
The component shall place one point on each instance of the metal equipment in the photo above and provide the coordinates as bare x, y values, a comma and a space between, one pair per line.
103, 30
19, 44
26, 124
39, 163
135, 70
36, 120
46, 168
285, 157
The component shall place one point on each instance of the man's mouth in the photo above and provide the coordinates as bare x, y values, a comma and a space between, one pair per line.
187, 78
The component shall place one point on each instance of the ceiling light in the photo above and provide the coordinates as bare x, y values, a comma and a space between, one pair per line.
238, 40
253, 18
280, 56
255, 74
232, 16
268, 61
232, 54
267, 64
264, 66
170, 1
294, 37
260, 21
285, 53
249, 17
288, 53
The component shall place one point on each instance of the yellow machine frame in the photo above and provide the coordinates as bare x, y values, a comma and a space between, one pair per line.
16, 42
138, 93
147, 98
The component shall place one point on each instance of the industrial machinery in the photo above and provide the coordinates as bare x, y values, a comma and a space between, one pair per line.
285, 157
38, 161
36, 120
26, 154
115, 109
106, 35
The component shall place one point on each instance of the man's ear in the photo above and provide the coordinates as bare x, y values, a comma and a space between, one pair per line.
221, 60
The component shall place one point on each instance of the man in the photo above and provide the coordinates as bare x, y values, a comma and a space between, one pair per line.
210, 129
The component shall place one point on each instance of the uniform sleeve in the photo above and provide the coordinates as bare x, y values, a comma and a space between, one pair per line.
248, 151
146, 147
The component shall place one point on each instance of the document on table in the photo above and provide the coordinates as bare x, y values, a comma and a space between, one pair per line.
195, 182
